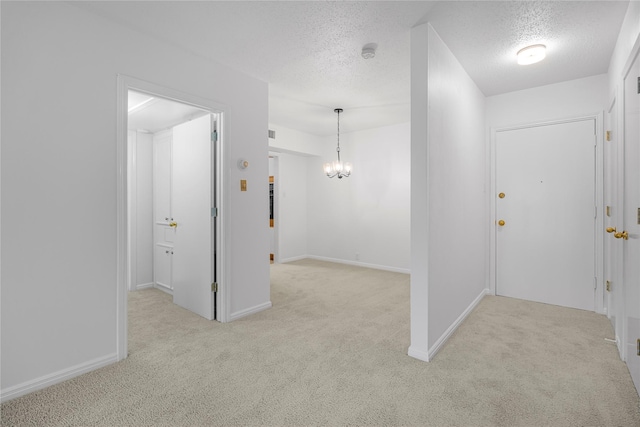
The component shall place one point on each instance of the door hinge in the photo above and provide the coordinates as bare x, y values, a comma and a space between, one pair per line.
214, 212
214, 287
608, 135
608, 286
214, 136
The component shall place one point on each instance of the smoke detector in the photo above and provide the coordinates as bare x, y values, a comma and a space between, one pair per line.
369, 50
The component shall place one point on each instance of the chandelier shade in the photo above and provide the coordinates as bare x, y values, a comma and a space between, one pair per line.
338, 168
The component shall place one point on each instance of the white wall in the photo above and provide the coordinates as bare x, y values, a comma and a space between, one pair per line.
448, 193
291, 206
568, 99
363, 219
60, 65
626, 39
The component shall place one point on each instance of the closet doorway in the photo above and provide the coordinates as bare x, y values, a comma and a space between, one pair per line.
172, 200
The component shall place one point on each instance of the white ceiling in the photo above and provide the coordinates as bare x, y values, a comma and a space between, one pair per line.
309, 52
152, 114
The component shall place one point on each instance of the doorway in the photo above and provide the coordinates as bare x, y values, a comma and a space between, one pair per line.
187, 161
545, 210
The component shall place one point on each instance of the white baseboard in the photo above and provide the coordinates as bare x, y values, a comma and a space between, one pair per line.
56, 377
443, 339
249, 311
144, 286
292, 259
361, 264
418, 354
163, 288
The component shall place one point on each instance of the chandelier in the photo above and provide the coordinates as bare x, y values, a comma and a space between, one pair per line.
338, 168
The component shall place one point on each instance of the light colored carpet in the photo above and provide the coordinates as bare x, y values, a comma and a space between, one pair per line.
332, 351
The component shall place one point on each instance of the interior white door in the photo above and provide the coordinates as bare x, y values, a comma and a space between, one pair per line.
631, 221
192, 181
545, 247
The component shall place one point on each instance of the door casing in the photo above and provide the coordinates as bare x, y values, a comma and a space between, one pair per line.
598, 118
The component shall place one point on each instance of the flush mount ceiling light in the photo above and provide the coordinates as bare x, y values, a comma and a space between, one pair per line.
337, 168
531, 54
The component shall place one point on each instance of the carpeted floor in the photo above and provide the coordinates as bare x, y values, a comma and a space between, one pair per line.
333, 351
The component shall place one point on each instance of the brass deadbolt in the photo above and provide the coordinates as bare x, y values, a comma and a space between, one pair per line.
501, 223
622, 235
501, 195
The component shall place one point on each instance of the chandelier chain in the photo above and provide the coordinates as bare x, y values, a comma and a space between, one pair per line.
338, 148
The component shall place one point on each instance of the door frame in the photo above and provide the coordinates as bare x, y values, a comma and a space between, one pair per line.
599, 229
276, 206
611, 264
124, 84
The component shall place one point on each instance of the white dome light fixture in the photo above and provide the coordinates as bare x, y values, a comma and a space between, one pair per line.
531, 54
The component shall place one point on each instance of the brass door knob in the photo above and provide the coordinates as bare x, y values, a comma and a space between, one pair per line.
611, 229
624, 235
501, 223
173, 224
501, 195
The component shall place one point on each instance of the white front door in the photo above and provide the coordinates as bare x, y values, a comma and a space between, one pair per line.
545, 232
192, 195
630, 221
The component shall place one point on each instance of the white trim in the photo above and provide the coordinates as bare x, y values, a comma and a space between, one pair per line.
249, 311
56, 377
599, 306
132, 214
143, 286
418, 354
435, 348
361, 264
292, 259
122, 255
162, 287
599, 202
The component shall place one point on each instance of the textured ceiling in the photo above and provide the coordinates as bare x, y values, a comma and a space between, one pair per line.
485, 36
309, 52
